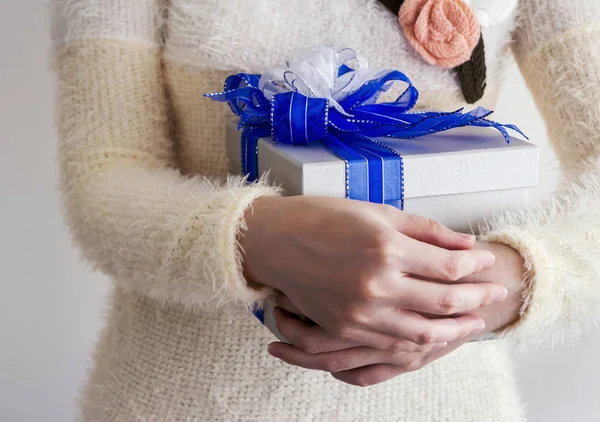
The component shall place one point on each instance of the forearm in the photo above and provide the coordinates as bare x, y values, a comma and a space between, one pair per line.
162, 235
558, 50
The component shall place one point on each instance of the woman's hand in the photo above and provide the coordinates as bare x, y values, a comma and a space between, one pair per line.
508, 270
312, 348
358, 270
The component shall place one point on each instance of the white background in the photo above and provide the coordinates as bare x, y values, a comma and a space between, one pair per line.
51, 306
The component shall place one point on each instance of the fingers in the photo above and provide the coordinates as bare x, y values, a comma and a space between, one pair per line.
429, 261
406, 332
330, 362
376, 374
443, 299
361, 366
411, 326
311, 339
371, 375
432, 232
315, 340
345, 360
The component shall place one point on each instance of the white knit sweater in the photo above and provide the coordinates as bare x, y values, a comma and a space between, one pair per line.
138, 144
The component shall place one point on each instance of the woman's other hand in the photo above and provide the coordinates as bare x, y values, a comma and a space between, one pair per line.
509, 271
311, 347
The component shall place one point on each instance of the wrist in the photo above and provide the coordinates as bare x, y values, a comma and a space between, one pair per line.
254, 239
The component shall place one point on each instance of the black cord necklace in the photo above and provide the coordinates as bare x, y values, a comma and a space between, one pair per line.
471, 74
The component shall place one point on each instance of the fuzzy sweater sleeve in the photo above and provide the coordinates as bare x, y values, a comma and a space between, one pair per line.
558, 51
129, 209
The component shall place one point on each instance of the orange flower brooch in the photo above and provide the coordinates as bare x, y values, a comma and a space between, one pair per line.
447, 33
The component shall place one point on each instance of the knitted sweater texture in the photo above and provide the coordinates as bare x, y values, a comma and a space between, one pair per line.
148, 201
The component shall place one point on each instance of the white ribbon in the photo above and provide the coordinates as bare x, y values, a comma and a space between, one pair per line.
492, 12
314, 73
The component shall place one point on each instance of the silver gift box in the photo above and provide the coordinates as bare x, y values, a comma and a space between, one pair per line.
458, 178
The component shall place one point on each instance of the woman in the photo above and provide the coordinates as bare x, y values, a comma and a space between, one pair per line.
137, 143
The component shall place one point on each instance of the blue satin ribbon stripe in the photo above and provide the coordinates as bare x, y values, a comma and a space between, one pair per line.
355, 130
292, 117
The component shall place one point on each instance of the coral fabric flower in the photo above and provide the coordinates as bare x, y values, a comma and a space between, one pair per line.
444, 32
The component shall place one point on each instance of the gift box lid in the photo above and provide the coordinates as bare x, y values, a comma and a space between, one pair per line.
456, 161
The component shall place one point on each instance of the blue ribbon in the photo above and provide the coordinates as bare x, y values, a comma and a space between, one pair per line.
374, 171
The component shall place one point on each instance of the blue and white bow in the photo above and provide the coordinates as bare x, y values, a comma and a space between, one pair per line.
331, 97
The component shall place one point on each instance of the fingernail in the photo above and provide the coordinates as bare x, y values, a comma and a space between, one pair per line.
489, 259
500, 294
478, 327
272, 350
468, 237
439, 345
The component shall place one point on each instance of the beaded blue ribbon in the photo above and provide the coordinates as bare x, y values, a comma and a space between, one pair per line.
354, 130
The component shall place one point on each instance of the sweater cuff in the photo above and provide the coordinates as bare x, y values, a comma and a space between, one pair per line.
560, 244
560, 301
215, 257
234, 224
540, 309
